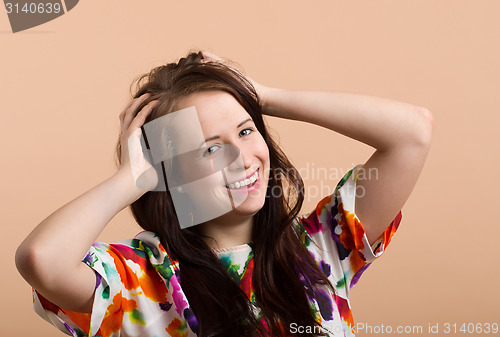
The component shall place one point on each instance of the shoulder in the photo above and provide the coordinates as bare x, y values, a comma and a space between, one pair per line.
325, 217
144, 253
145, 244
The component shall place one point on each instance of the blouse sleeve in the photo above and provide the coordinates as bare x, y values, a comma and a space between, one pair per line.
107, 299
335, 235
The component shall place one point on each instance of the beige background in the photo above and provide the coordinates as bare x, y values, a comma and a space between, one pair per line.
64, 83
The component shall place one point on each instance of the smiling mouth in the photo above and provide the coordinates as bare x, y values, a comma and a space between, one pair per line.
245, 183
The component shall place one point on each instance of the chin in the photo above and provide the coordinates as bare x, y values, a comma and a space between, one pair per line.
250, 206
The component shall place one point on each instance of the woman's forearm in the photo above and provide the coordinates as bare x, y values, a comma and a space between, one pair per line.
63, 238
378, 122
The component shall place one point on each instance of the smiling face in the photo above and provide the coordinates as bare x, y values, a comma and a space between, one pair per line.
228, 131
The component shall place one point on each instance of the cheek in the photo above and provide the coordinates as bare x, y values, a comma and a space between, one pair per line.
262, 152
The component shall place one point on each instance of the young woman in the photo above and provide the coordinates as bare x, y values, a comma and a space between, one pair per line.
257, 269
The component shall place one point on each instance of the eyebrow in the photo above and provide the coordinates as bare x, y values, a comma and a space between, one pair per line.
215, 137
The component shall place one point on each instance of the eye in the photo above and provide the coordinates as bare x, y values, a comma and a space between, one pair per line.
211, 150
246, 132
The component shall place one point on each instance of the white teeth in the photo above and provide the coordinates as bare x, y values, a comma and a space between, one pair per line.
244, 182
253, 178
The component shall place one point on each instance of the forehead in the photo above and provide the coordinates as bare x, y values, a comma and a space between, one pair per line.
217, 110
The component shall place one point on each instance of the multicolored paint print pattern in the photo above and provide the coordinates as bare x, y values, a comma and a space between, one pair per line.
137, 284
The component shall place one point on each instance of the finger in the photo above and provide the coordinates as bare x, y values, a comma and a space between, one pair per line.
129, 113
140, 118
212, 57
122, 114
125, 110
208, 54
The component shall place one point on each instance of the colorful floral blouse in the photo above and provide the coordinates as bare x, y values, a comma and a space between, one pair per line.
138, 291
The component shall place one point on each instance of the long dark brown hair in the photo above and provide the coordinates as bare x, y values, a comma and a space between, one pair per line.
284, 271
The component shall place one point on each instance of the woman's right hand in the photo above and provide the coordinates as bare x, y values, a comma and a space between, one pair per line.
132, 155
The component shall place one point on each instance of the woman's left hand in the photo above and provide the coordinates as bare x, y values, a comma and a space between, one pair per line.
261, 89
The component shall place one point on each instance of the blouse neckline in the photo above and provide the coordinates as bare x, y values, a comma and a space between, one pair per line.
242, 247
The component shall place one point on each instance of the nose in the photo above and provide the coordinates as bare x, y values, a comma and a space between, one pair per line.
246, 157
242, 162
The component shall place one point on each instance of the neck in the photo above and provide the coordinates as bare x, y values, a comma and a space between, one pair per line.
228, 231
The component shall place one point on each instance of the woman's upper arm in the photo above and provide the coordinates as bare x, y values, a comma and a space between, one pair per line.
72, 289
386, 180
